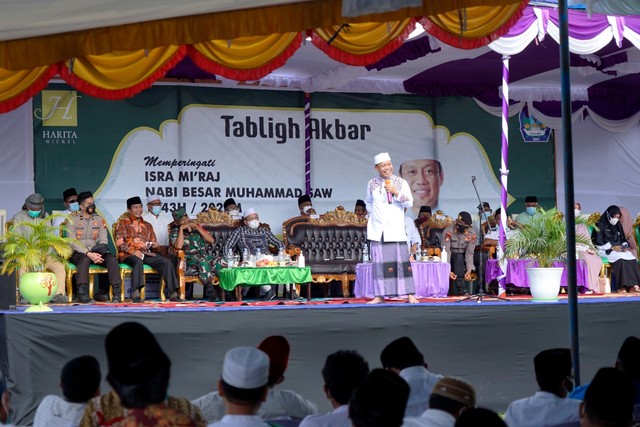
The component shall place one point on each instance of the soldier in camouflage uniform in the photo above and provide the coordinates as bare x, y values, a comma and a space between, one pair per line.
460, 242
194, 240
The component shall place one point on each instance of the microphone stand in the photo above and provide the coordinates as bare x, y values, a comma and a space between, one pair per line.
481, 291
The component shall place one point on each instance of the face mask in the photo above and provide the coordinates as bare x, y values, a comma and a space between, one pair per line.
531, 210
461, 228
156, 210
74, 207
306, 209
90, 209
34, 214
253, 224
612, 221
234, 212
576, 212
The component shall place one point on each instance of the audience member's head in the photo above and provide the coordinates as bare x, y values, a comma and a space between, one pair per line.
245, 374
400, 354
138, 368
380, 401
343, 372
80, 379
361, 208
553, 371
628, 358
452, 395
277, 348
608, 401
479, 417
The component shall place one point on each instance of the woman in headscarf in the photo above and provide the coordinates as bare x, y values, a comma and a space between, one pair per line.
611, 243
591, 259
627, 225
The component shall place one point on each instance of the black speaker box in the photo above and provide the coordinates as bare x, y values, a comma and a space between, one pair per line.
7, 291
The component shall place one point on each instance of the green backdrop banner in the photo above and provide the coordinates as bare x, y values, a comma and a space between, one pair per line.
197, 146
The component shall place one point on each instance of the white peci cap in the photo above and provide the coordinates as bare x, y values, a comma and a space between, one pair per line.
152, 198
249, 211
246, 368
382, 157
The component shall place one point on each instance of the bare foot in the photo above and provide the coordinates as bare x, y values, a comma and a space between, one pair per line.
413, 299
376, 300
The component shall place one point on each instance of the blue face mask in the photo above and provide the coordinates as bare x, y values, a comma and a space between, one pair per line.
74, 207
156, 210
531, 210
34, 214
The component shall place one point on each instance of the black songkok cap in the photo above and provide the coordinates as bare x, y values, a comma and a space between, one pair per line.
68, 193
554, 363
425, 209
465, 217
135, 200
629, 355
610, 397
228, 202
401, 353
84, 196
303, 198
361, 202
133, 354
531, 199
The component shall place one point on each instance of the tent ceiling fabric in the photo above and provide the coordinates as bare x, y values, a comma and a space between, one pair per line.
50, 33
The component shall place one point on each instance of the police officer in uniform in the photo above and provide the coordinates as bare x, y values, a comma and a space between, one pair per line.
460, 242
90, 229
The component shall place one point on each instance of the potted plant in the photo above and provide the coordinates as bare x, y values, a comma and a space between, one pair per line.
27, 246
544, 240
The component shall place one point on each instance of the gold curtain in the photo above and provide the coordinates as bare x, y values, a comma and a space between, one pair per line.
362, 44
245, 58
473, 27
117, 75
17, 87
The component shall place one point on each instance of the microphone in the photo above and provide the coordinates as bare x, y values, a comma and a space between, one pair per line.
389, 195
473, 178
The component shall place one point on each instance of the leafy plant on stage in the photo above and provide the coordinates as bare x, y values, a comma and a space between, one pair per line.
543, 239
27, 245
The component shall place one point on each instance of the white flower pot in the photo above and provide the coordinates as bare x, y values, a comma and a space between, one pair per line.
544, 283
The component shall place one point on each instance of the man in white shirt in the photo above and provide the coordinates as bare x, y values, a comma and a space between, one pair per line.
80, 382
160, 221
449, 398
387, 197
243, 387
403, 358
414, 241
343, 372
550, 405
280, 403
492, 238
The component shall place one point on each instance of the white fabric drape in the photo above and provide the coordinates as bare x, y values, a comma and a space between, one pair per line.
614, 7
16, 158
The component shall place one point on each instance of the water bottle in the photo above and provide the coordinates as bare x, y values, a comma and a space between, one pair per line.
245, 255
365, 253
301, 261
230, 258
443, 255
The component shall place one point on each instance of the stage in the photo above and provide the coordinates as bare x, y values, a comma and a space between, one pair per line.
491, 344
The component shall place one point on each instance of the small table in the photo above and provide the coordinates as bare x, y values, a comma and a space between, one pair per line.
517, 272
431, 279
257, 276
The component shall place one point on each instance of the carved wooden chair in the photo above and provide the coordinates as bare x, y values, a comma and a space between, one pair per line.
126, 269
220, 225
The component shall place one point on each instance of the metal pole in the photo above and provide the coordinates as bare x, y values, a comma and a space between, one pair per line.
569, 199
